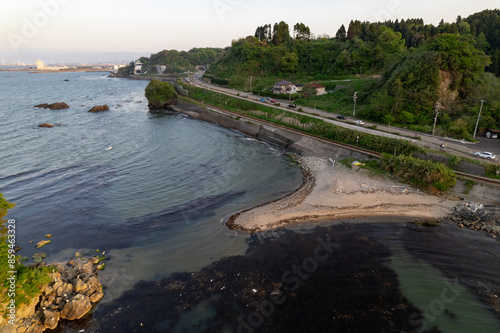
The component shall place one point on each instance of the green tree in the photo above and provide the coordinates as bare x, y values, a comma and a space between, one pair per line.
281, 33
301, 31
341, 34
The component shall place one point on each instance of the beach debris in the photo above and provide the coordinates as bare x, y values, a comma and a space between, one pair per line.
356, 163
48, 236
254, 290
42, 243
109, 148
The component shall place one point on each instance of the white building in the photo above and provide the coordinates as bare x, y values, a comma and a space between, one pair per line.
40, 64
137, 66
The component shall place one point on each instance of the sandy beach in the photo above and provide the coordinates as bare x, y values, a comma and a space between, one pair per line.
330, 193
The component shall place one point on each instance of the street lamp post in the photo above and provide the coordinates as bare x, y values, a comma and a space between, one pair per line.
478, 117
436, 117
355, 97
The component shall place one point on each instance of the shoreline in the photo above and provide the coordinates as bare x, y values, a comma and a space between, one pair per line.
332, 193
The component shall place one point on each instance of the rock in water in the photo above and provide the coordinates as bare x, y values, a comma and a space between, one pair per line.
160, 95
58, 106
42, 243
99, 108
53, 106
46, 125
76, 308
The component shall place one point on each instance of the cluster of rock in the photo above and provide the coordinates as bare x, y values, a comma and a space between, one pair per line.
70, 295
476, 217
63, 105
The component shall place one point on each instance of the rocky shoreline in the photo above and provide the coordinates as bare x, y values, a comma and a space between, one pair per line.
476, 216
74, 288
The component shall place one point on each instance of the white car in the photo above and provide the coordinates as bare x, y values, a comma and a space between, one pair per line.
359, 122
485, 154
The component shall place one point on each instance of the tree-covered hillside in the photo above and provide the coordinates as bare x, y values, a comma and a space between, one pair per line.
420, 65
446, 69
178, 61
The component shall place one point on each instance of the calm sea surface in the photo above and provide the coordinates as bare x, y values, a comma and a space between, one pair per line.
154, 193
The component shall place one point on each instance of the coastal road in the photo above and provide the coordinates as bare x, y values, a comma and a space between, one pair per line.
457, 147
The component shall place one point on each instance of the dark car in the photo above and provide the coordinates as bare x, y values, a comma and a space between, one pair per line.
341, 117
292, 105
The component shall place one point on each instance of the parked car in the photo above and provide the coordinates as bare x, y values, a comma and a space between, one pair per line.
262, 100
359, 122
485, 154
292, 106
273, 101
341, 117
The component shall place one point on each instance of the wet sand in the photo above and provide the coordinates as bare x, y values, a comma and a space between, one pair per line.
330, 193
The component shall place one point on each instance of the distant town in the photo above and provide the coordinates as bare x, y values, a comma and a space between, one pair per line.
40, 67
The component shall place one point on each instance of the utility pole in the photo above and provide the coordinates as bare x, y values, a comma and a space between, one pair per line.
436, 117
478, 117
355, 97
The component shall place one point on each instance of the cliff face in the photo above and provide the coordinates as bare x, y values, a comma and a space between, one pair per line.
448, 96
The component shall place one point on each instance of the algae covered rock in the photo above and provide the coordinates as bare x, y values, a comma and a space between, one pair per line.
160, 95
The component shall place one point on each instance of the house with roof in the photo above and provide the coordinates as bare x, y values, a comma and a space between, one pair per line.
492, 133
320, 89
282, 87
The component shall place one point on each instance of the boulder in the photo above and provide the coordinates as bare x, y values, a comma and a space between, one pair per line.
46, 125
58, 106
99, 108
51, 319
43, 106
76, 308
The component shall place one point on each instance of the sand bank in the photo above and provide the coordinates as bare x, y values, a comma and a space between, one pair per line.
330, 193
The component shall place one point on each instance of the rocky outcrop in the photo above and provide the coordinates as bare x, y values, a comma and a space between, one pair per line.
99, 108
70, 295
161, 95
53, 106
46, 125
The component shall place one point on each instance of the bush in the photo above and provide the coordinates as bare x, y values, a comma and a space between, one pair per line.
454, 160
419, 171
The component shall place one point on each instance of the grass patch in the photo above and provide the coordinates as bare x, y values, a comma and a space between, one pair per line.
468, 186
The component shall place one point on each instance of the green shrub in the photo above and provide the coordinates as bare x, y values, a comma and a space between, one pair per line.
422, 172
454, 160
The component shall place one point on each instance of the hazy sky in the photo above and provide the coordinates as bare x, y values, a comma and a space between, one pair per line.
88, 30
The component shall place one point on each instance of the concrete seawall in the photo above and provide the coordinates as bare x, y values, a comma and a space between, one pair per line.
289, 140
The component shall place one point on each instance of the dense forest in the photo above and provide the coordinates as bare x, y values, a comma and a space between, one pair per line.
419, 65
